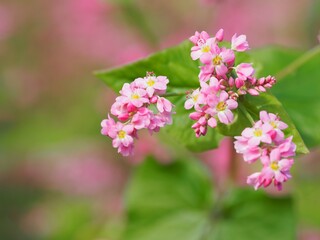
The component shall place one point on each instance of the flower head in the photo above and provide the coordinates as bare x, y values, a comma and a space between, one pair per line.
133, 112
266, 141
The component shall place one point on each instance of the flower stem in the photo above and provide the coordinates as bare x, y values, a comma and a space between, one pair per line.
292, 67
246, 113
173, 94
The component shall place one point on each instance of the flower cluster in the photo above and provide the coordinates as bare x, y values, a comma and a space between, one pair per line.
221, 82
134, 111
266, 141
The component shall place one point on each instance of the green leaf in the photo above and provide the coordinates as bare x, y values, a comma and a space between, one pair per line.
182, 71
175, 63
299, 90
175, 201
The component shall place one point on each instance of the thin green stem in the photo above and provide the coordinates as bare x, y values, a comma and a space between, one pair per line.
173, 94
292, 67
246, 113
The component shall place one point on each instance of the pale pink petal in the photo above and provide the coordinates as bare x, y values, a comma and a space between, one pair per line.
212, 122
232, 104
189, 104
223, 118
247, 132
221, 70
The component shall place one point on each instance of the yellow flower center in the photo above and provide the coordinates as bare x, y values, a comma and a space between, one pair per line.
135, 96
195, 98
257, 132
274, 166
205, 49
150, 82
273, 124
217, 60
221, 106
122, 134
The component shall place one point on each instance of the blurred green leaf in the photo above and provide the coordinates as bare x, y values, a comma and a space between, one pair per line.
298, 91
175, 201
175, 63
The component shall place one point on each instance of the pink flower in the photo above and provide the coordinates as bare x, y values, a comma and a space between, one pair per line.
224, 106
199, 50
142, 118
275, 122
250, 153
123, 135
275, 170
244, 70
219, 59
206, 72
239, 43
108, 127
199, 39
193, 99
287, 148
164, 105
153, 84
126, 151
120, 109
259, 133
135, 96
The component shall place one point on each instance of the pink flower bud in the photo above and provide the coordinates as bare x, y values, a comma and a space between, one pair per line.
239, 43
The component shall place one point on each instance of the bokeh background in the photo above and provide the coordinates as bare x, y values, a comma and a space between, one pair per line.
59, 178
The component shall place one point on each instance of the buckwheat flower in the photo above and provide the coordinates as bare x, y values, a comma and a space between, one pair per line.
250, 153
123, 135
244, 70
257, 134
141, 119
206, 72
287, 148
120, 109
108, 127
135, 96
239, 43
164, 105
202, 42
193, 99
152, 84
275, 122
224, 106
165, 117
199, 50
199, 39
218, 59
275, 169
126, 151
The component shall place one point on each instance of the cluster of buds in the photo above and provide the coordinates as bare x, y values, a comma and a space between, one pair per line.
134, 111
266, 141
221, 82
